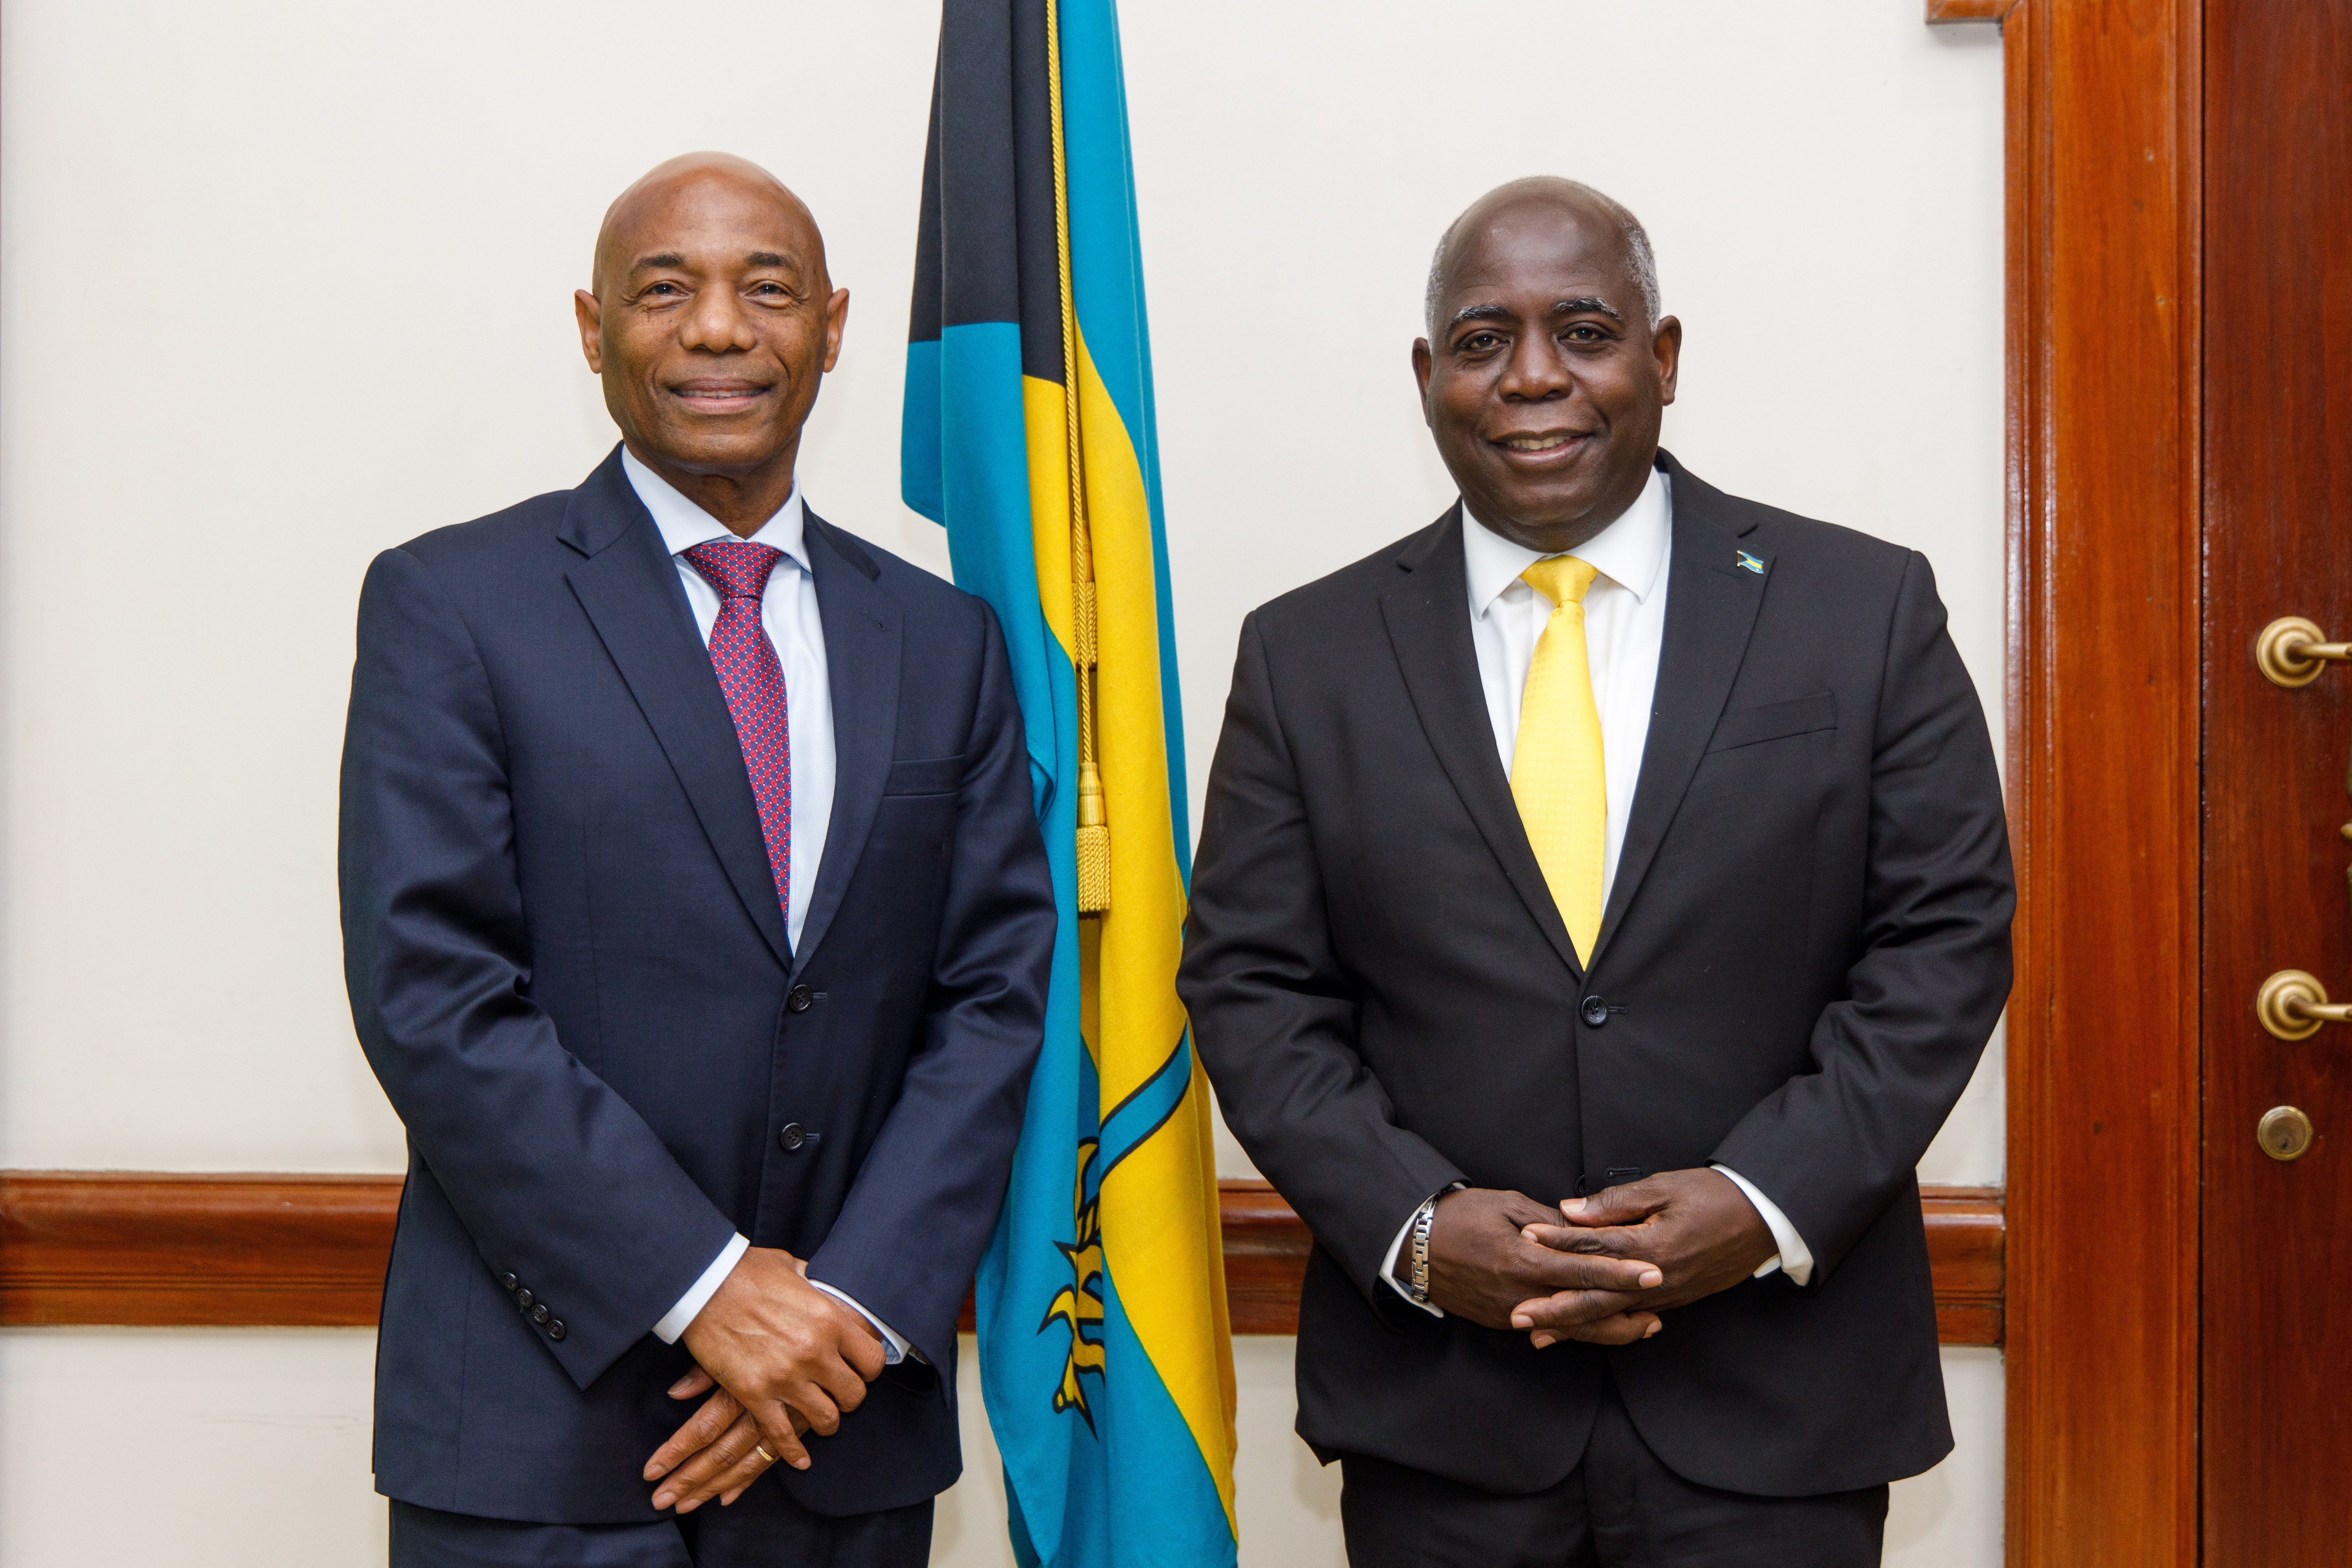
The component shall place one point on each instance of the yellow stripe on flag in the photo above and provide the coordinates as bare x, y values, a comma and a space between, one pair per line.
1160, 1203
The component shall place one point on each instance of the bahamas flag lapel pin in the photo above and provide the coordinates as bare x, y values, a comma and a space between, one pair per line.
1750, 562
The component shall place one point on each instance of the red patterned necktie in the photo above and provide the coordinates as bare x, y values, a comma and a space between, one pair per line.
754, 684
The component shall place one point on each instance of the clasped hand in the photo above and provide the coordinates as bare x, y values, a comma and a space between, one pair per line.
1695, 1227
778, 1357
1599, 1269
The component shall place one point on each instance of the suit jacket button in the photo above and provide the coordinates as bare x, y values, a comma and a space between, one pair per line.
523, 1298
792, 1136
508, 1282
800, 999
539, 1313
1596, 1012
555, 1330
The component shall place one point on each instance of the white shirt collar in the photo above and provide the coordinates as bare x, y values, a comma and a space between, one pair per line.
685, 525
1628, 552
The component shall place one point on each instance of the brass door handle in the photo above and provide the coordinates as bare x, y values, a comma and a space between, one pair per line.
2293, 1004
2291, 651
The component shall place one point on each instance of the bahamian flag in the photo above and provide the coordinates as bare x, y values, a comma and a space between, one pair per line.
1105, 1354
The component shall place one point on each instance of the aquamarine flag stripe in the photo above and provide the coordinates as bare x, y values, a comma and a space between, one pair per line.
1051, 1457
965, 452
921, 483
1106, 261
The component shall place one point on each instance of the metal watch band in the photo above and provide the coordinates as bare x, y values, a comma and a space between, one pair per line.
1417, 1286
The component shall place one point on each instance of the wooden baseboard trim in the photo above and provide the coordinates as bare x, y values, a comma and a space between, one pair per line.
153, 1248
1970, 10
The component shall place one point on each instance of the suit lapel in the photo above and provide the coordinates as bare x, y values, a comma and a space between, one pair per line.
862, 649
1428, 616
1711, 605
628, 586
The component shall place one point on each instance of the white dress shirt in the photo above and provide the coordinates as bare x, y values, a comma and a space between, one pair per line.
788, 612
1624, 633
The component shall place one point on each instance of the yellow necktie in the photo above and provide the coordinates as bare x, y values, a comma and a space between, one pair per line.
1555, 770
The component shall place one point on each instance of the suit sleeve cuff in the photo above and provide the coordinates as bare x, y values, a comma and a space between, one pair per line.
698, 1296
1795, 1258
894, 1348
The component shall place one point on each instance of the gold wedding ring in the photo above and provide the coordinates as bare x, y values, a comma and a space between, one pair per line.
762, 1450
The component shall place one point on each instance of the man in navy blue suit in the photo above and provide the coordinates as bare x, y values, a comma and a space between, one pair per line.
696, 924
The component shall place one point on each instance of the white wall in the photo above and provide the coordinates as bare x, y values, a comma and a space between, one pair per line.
284, 282
262, 1436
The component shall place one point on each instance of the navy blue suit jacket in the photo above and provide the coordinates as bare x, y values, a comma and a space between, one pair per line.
570, 971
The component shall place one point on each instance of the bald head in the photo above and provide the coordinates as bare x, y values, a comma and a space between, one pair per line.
1533, 197
653, 203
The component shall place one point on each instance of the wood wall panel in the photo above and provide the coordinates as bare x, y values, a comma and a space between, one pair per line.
2103, 153
2277, 459
82, 1246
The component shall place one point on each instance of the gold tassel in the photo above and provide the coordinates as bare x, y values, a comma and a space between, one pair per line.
1094, 846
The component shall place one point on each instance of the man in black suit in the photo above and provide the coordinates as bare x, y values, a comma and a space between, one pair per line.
1620, 842
696, 924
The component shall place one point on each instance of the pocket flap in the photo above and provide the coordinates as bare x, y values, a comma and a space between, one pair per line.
924, 775
1775, 720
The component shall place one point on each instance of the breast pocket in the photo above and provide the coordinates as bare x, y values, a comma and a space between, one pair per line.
1775, 722
924, 775
1752, 819
919, 807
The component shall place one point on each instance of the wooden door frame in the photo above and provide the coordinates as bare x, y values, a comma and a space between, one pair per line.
2104, 168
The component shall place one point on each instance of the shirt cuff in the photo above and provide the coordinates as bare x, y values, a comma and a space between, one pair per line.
1388, 1263
674, 1321
894, 1348
1794, 1259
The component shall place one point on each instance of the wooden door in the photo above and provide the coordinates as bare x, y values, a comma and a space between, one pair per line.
2276, 1410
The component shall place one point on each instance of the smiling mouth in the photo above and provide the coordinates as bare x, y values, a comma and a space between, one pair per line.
1545, 441
718, 396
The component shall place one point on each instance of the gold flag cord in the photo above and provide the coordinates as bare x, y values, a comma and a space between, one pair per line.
1094, 827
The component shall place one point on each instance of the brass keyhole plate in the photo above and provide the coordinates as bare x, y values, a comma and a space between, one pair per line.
2284, 1133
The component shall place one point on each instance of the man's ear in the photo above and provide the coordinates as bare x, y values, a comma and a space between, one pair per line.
1667, 347
837, 318
1422, 364
590, 312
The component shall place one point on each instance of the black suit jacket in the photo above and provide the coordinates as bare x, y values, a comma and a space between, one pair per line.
569, 969
1803, 952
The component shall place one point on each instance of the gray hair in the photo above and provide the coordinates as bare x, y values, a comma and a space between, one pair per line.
1644, 260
